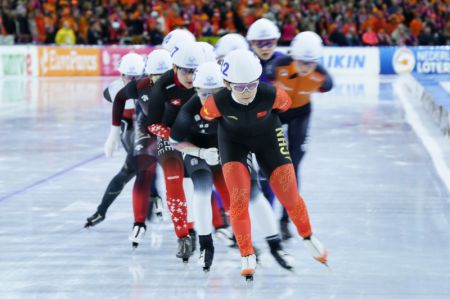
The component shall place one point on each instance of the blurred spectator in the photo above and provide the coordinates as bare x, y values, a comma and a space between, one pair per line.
288, 32
2, 28
416, 26
39, 19
8, 16
353, 38
401, 36
157, 34
383, 38
65, 35
369, 37
23, 33
426, 38
94, 34
337, 37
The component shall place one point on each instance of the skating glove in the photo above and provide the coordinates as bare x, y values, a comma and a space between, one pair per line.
160, 130
210, 155
112, 143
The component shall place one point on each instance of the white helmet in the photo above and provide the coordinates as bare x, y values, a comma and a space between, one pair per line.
208, 51
208, 76
158, 62
131, 64
188, 55
230, 42
241, 66
307, 46
177, 37
263, 29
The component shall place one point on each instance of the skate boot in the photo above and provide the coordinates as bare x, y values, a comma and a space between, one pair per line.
137, 234
157, 207
184, 248
95, 219
317, 250
225, 235
206, 252
284, 229
193, 235
284, 259
248, 266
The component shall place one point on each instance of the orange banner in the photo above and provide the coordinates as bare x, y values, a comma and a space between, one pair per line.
69, 61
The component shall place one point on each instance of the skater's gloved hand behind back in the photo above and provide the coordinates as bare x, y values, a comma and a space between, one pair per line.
210, 155
112, 143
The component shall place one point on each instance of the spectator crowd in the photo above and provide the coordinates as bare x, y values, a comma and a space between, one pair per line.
338, 22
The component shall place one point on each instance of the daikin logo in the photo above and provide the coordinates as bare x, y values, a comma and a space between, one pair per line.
344, 61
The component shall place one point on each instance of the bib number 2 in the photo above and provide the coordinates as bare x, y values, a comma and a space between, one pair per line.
225, 68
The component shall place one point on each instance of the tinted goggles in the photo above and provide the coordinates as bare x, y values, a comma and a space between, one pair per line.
241, 87
306, 63
128, 77
265, 43
206, 92
186, 71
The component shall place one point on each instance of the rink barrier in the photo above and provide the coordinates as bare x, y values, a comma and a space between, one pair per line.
434, 98
102, 60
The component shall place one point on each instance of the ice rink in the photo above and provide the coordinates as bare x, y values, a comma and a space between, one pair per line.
374, 197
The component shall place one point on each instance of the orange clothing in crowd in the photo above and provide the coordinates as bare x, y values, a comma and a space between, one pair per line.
50, 20
129, 2
70, 20
369, 23
347, 27
415, 26
229, 22
83, 27
40, 27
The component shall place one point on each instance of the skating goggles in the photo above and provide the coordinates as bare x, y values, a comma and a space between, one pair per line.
186, 71
269, 43
206, 92
130, 78
241, 87
306, 63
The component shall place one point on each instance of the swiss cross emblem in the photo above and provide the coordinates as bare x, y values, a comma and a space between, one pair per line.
261, 114
175, 102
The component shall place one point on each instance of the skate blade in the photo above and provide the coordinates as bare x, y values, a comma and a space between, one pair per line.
185, 260
206, 269
327, 266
